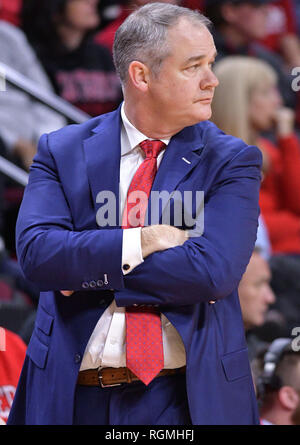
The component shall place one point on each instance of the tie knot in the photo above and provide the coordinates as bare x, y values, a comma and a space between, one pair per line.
152, 148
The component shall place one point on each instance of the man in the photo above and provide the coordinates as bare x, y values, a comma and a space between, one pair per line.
278, 383
256, 295
197, 370
255, 292
239, 25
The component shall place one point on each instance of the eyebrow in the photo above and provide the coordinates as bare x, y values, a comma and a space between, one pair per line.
196, 58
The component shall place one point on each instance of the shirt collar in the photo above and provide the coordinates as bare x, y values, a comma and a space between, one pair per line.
133, 136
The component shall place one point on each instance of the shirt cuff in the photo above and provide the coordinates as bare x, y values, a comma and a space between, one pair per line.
131, 249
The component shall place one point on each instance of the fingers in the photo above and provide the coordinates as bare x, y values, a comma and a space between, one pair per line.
67, 293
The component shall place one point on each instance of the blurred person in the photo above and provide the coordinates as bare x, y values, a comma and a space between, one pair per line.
281, 34
255, 291
276, 371
106, 36
161, 130
12, 355
23, 120
238, 27
256, 296
248, 92
82, 72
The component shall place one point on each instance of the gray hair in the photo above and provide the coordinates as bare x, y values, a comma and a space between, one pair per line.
142, 36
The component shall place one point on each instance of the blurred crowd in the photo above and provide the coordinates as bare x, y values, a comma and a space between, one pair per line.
65, 47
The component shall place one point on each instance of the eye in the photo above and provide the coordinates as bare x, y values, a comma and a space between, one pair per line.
193, 67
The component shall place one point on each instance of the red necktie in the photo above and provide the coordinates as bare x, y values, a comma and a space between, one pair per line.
144, 347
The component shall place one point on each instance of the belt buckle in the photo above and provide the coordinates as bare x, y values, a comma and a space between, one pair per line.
103, 385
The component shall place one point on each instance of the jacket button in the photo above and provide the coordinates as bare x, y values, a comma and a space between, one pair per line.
93, 284
77, 358
99, 283
85, 285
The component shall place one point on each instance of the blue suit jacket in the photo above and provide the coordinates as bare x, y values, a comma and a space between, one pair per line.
60, 246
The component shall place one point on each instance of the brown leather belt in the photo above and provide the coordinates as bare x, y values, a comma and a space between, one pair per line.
107, 377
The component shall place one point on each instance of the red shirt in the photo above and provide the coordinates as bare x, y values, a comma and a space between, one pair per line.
107, 35
193, 4
12, 355
280, 194
280, 22
10, 11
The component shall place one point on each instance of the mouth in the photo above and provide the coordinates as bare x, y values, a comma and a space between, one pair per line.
207, 100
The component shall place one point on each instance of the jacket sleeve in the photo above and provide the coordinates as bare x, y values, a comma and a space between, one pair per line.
208, 267
51, 253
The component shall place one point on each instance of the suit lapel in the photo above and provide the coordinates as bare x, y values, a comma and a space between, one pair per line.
182, 155
102, 155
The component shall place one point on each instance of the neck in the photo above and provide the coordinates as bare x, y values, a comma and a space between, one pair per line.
234, 37
70, 37
277, 417
148, 123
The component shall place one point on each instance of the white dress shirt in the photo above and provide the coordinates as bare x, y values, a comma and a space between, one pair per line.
106, 346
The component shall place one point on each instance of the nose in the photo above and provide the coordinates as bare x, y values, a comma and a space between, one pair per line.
269, 295
209, 80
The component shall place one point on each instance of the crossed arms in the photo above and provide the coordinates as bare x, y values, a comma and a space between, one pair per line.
176, 270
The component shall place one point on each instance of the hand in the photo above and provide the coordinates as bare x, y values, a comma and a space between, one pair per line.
67, 293
284, 121
161, 237
26, 151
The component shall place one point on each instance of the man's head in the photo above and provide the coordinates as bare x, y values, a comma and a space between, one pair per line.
255, 292
278, 383
163, 54
246, 17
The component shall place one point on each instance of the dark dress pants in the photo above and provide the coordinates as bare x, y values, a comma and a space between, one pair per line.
162, 402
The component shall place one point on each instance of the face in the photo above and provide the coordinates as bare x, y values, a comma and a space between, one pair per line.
181, 93
265, 101
255, 292
249, 20
82, 14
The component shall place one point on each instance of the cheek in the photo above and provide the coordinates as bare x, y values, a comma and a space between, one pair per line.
260, 111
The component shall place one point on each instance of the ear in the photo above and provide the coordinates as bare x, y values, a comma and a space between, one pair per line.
288, 397
139, 75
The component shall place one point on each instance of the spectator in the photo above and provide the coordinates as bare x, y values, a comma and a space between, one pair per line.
248, 93
106, 36
22, 120
238, 26
255, 292
81, 71
281, 31
12, 355
256, 296
253, 106
277, 375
